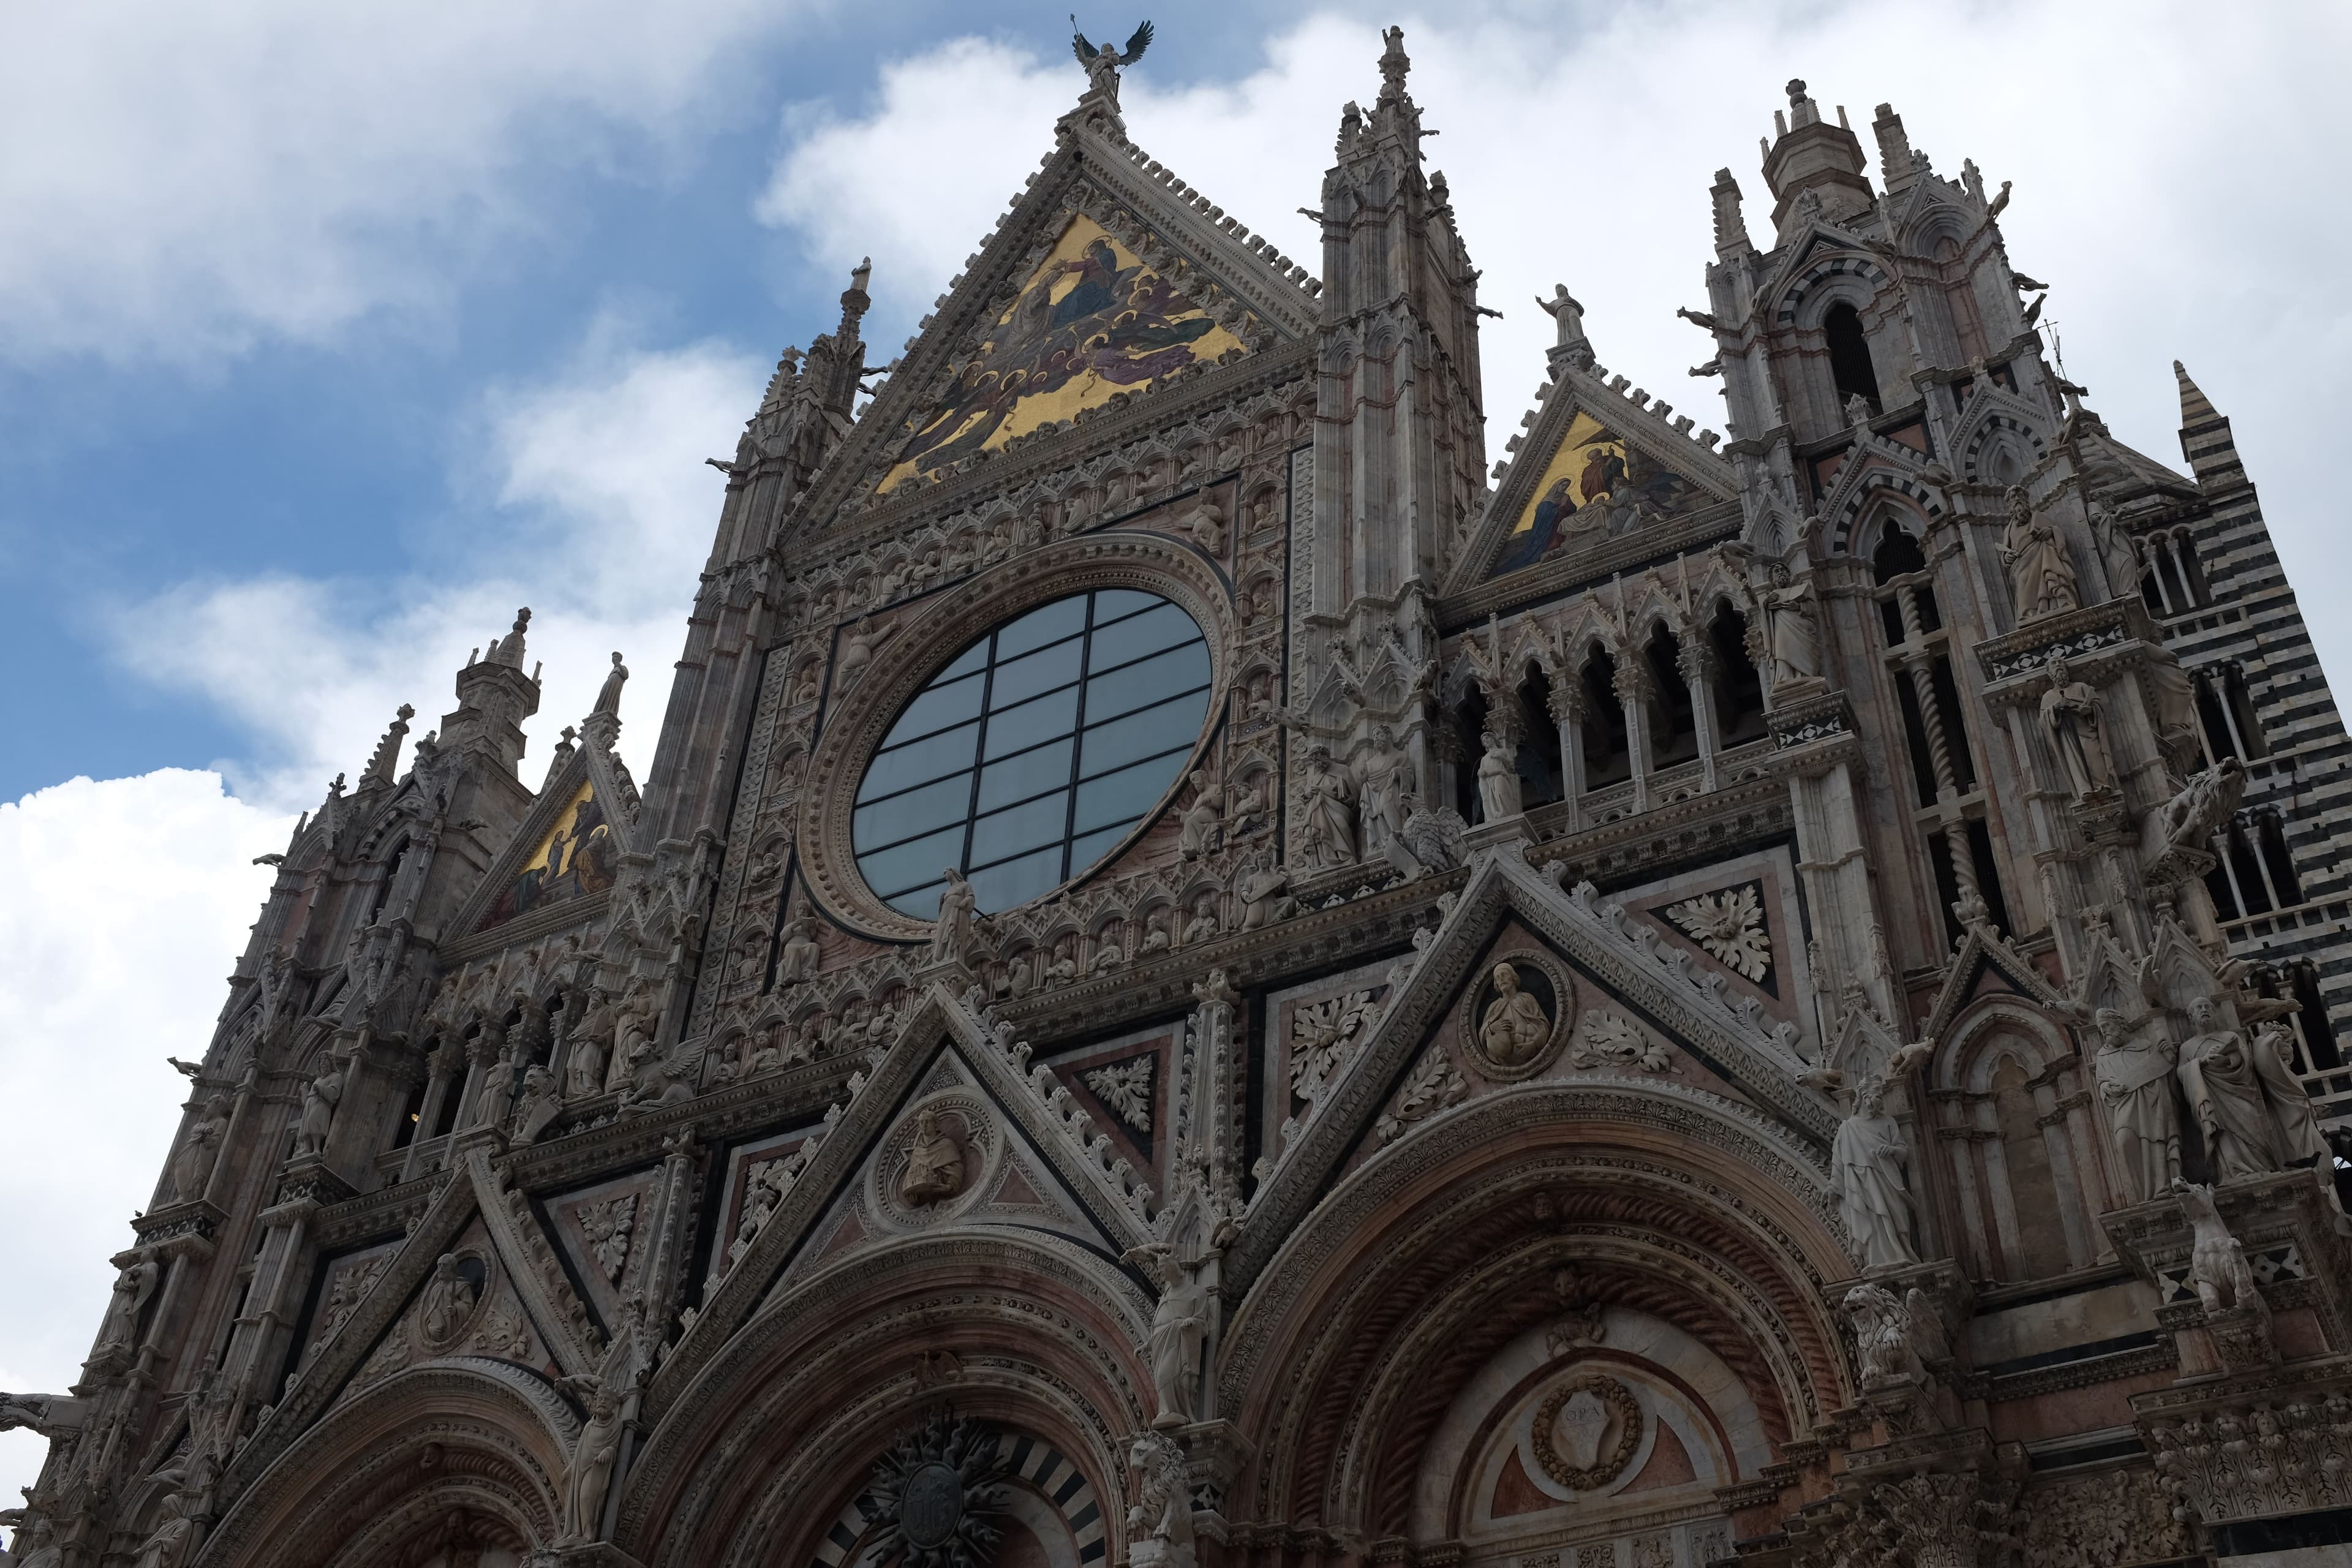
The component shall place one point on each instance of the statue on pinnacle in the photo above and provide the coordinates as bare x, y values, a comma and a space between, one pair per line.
1103, 63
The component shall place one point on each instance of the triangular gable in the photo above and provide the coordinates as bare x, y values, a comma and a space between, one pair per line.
471, 1199
587, 858
993, 362
1028, 1104
1594, 465
1696, 1009
1089, 322
1008, 1180
1983, 962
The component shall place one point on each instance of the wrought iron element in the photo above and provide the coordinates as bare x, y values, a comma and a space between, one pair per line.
933, 1492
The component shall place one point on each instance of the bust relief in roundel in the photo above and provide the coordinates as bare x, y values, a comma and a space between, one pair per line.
1515, 1016
940, 1157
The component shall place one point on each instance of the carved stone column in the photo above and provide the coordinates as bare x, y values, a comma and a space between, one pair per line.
1568, 711
1634, 687
1696, 661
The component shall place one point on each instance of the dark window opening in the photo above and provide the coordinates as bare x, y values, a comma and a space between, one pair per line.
411, 1110
1980, 856
1675, 733
2272, 837
2311, 1023
2151, 592
1956, 732
1540, 769
1607, 756
2219, 742
1738, 690
453, 1092
2241, 709
2251, 894
383, 886
1923, 764
2225, 900
1948, 885
2184, 553
1470, 748
1850, 364
1897, 555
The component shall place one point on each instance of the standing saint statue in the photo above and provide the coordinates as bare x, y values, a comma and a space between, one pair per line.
2072, 714
2255, 1114
1498, 779
320, 1097
1180, 1327
132, 1287
1328, 836
608, 699
191, 1165
1566, 315
2041, 578
1792, 644
2118, 552
952, 937
1387, 791
1515, 1026
2135, 1080
1866, 1170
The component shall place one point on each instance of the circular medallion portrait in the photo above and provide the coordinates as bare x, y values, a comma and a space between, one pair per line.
1517, 1016
935, 1160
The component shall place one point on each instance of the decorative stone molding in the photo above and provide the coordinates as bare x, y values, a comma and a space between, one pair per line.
2257, 1445
2111, 1520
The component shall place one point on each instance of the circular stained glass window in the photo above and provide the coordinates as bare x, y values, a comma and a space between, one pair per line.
1033, 752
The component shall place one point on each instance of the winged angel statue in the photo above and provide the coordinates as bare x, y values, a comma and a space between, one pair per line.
1102, 64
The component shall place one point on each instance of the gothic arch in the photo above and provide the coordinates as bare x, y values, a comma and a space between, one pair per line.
1836, 279
2014, 1135
1043, 1334
1884, 495
472, 1435
1438, 1251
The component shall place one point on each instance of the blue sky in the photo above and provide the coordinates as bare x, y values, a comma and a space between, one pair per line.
330, 333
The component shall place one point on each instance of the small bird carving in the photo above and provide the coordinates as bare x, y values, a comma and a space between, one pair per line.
187, 1069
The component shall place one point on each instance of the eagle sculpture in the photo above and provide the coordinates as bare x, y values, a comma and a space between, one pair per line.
1102, 64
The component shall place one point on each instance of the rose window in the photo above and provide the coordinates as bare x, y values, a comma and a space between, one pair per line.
1033, 752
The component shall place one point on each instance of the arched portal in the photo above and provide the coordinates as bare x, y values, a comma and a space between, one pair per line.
773, 1449
1568, 1311
450, 1458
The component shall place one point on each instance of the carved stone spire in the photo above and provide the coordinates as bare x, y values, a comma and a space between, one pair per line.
379, 767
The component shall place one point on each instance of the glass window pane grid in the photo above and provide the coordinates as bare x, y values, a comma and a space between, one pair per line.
1076, 848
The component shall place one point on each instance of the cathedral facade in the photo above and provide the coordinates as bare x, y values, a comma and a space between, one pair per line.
1199, 981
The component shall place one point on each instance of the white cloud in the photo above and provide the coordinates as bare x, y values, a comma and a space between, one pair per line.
2163, 170
183, 179
162, 866
873, 185
588, 501
124, 904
